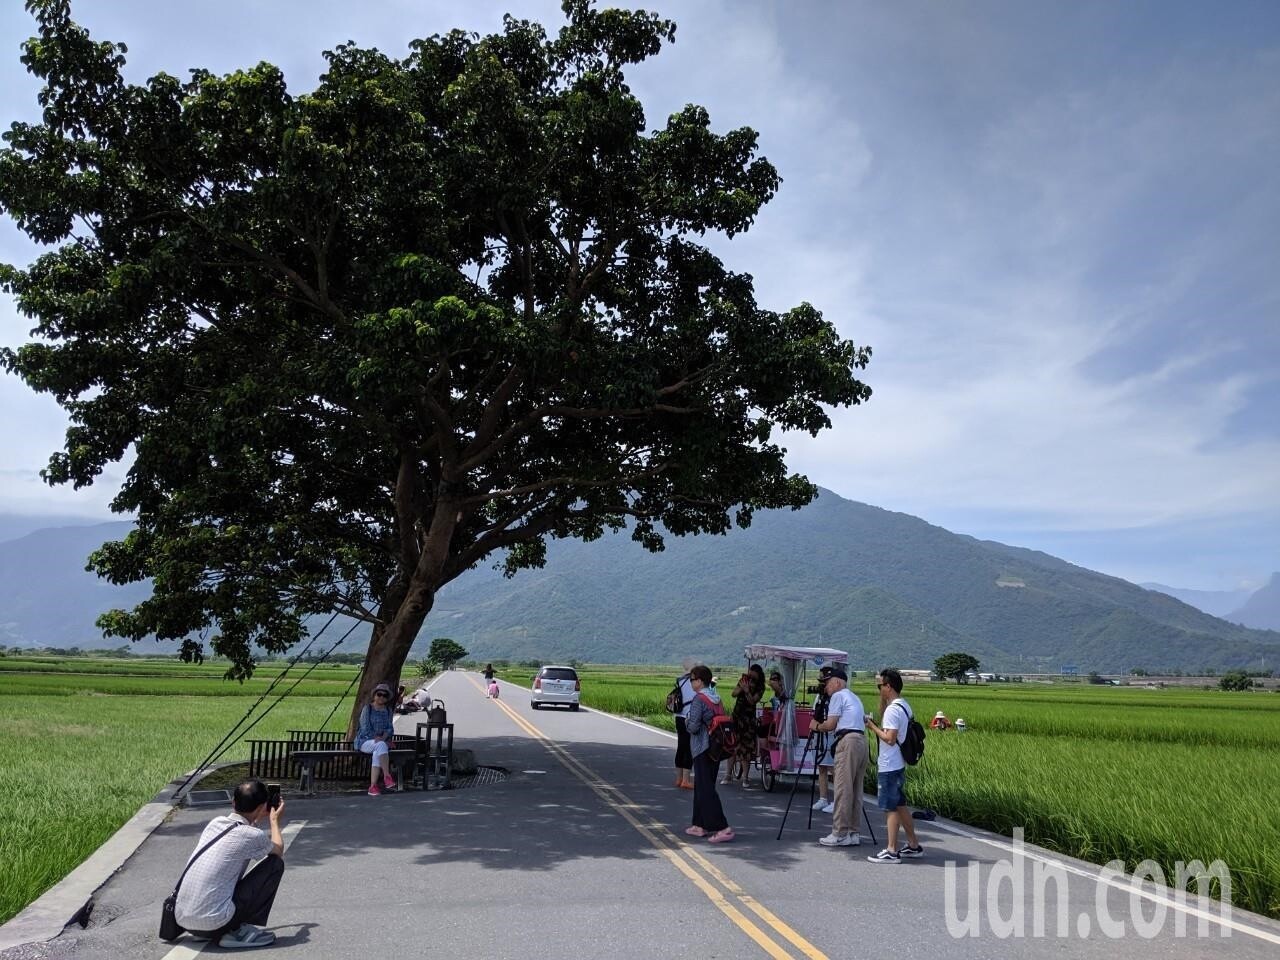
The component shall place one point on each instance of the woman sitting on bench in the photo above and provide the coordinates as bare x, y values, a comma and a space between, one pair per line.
374, 737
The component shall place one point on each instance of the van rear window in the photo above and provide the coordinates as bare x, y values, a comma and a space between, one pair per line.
559, 673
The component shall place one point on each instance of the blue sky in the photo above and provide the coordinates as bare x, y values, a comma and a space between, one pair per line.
1055, 224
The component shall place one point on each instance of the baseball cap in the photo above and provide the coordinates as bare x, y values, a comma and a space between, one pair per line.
834, 671
383, 688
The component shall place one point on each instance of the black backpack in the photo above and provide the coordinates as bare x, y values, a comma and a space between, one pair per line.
912, 740
675, 699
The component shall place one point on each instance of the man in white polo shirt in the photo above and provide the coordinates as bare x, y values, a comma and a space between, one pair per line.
217, 900
849, 745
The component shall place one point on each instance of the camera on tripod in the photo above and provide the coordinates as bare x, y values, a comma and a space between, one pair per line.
822, 700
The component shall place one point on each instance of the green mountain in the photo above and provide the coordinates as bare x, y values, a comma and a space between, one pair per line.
888, 587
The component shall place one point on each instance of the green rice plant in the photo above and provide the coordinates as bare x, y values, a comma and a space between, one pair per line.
75, 769
53, 684
1104, 802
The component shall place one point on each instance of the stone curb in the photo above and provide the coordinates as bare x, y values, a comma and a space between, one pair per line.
45, 917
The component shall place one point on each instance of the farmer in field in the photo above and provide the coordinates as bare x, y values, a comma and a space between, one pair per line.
215, 902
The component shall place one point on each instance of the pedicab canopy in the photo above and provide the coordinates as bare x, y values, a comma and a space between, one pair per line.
791, 661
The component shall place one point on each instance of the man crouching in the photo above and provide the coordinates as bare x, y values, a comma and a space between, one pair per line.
215, 902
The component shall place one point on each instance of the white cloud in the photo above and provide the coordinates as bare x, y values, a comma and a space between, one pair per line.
1054, 226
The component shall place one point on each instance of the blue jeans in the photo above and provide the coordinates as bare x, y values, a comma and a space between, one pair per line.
890, 789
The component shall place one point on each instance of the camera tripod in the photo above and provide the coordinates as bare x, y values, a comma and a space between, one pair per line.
817, 745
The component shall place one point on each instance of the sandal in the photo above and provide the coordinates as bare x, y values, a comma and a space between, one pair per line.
722, 836
695, 831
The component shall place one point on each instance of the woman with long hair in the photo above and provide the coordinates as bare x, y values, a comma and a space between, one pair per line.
748, 693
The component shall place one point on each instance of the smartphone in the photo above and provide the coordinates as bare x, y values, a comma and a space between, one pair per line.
273, 795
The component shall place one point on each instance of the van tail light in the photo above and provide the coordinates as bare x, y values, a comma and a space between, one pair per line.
537, 683
577, 685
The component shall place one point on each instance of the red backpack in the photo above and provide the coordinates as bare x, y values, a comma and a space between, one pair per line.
721, 733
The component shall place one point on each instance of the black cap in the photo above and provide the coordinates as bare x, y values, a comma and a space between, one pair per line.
835, 670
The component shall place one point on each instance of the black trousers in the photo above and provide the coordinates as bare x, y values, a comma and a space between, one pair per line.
708, 813
684, 755
254, 896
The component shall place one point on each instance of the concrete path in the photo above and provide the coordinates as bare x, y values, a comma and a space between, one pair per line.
581, 853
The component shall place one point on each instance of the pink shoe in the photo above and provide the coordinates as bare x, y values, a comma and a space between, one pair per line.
374, 791
695, 831
388, 782
723, 836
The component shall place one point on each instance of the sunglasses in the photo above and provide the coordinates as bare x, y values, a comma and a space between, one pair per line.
381, 693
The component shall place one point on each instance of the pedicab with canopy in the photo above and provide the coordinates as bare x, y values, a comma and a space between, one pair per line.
784, 732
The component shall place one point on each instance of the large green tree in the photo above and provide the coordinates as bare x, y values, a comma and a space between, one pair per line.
446, 652
953, 666
357, 340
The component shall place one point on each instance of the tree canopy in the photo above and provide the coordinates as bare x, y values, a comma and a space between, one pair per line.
358, 340
953, 666
446, 652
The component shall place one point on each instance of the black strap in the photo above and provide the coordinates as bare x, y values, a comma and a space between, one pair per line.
197, 856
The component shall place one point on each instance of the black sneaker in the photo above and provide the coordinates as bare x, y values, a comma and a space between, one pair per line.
885, 856
911, 852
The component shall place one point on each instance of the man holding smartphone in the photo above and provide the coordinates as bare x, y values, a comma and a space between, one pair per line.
217, 900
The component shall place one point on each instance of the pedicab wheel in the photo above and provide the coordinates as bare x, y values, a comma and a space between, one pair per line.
768, 776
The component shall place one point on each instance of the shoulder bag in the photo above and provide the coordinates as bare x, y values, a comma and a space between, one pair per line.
169, 928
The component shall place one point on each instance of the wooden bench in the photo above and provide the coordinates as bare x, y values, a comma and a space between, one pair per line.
403, 760
314, 755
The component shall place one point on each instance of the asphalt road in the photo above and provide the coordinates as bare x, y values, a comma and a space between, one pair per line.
581, 853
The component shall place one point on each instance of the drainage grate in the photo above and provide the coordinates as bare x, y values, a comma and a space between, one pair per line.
483, 777
205, 798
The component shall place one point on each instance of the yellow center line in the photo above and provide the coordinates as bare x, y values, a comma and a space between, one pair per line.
677, 851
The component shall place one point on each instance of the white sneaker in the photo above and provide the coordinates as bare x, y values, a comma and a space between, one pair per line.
848, 840
819, 804
829, 806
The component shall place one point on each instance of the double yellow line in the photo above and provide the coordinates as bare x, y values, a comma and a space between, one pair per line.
729, 898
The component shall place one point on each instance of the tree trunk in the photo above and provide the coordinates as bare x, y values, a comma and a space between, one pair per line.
389, 646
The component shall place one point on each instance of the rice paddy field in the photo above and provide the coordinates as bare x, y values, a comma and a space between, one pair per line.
84, 743
1100, 773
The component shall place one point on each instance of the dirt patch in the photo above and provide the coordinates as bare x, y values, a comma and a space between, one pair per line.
72, 729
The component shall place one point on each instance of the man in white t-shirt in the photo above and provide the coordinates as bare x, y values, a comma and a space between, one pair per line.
849, 745
217, 900
891, 769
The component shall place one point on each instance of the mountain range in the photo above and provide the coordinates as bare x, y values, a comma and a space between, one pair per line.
888, 587
1262, 609
1217, 603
